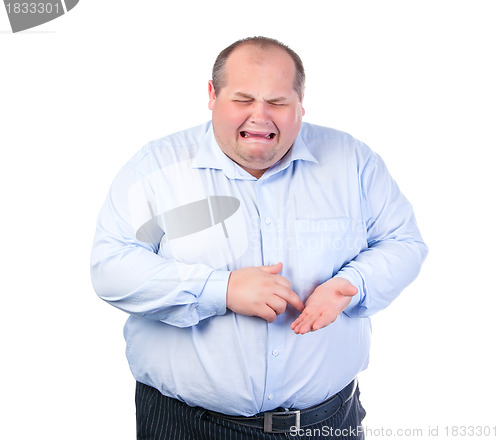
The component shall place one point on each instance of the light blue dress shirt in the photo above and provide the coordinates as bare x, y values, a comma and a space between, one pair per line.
181, 215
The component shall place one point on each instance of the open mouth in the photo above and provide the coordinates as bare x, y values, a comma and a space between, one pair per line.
256, 135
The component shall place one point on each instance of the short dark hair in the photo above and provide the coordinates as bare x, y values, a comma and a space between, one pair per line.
218, 78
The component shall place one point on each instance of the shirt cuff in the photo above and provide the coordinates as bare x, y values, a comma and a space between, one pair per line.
354, 278
212, 300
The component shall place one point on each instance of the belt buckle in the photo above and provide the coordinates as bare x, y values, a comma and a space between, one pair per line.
268, 419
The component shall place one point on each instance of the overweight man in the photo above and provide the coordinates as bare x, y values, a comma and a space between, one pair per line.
250, 253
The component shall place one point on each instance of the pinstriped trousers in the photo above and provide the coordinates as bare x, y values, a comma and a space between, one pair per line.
163, 418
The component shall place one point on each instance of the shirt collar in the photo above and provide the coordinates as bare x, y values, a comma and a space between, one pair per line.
209, 155
299, 151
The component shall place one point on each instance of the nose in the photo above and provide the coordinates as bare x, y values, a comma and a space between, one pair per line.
260, 114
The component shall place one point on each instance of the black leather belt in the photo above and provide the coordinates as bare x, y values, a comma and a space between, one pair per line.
284, 420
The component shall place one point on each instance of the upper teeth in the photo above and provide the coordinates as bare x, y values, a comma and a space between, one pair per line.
267, 136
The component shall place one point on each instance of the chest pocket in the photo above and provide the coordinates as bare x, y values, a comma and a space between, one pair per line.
324, 245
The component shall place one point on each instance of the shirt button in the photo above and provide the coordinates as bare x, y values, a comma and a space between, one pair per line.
275, 352
271, 396
267, 220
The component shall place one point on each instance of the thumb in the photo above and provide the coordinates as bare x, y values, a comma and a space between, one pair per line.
349, 290
274, 268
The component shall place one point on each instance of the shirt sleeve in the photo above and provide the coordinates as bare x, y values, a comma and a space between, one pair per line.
395, 249
128, 273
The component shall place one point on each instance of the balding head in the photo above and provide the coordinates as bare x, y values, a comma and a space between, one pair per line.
263, 43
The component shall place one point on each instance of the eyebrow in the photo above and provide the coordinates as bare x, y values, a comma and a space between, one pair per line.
247, 96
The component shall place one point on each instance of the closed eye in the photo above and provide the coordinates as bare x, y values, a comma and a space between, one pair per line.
278, 102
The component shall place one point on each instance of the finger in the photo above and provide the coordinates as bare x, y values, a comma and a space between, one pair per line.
297, 322
283, 281
322, 321
304, 328
349, 290
303, 323
291, 298
306, 314
297, 326
277, 303
274, 268
268, 314
312, 324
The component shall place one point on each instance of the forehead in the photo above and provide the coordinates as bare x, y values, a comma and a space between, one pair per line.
252, 66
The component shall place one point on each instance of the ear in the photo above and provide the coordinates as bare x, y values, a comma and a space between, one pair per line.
211, 95
301, 104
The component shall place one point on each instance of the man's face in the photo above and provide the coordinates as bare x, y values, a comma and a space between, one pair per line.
257, 114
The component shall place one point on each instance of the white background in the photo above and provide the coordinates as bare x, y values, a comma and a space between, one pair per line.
418, 81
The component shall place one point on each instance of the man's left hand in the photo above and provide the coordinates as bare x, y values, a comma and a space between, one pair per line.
324, 305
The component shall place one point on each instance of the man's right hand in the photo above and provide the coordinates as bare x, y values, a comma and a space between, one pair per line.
260, 291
